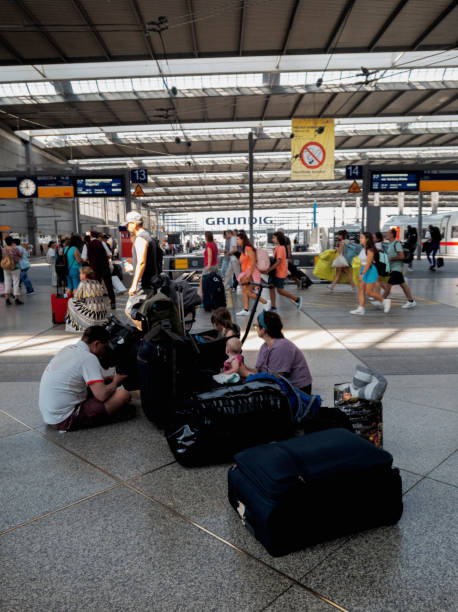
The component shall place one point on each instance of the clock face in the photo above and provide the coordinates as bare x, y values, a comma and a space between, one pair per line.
27, 187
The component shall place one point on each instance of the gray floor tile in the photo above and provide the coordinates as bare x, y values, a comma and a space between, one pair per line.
447, 471
20, 400
36, 477
201, 495
119, 551
9, 427
419, 438
123, 449
409, 480
410, 567
297, 599
436, 391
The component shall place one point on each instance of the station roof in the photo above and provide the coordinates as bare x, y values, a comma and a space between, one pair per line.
111, 84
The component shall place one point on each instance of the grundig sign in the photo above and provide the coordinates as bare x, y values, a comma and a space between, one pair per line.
238, 221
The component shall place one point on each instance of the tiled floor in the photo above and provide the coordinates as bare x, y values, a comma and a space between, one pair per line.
106, 520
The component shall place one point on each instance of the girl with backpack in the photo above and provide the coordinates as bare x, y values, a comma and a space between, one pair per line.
280, 272
11, 256
249, 274
368, 275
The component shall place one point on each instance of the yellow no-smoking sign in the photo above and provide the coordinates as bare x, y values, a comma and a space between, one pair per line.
312, 149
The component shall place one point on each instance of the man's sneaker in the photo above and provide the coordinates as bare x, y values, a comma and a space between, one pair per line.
268, 305
330, 287
243, 313
299, 303
386, 305
18, 301
372, 300
30, 292
358, 311
411, 304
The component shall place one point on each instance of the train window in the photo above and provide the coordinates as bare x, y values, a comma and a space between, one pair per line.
454, 231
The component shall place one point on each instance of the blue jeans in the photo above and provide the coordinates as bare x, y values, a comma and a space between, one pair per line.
224, 267
73, 279
25, 279
432, 250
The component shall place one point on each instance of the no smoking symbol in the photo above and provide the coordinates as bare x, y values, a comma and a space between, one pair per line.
313, 155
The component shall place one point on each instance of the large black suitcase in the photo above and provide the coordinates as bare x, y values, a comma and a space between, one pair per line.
213, 426
213, 292
312, 488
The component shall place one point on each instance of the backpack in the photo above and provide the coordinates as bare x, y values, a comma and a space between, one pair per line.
383, 264
8, 262
61, 264
159, 255
262, 260
436, 235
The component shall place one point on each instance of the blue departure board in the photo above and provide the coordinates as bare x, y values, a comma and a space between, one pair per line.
394, 181
99, 187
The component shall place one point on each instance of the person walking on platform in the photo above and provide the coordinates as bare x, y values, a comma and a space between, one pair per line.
411, 237
25, 267
227, 243
368, 275
396, 257
341, 249
51, 259
280, 272
146, 262
96, 252
300, 278
433, 242
249, 272
11, 256
233, 268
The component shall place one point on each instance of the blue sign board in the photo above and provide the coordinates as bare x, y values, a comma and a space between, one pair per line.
394, 181
99, 187
353, 172
139, 175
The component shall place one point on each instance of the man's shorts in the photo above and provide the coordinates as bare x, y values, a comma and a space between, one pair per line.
91, 413
396, 278
278, 283
134, 301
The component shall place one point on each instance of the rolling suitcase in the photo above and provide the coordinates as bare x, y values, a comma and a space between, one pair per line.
214, 294
313, 488
59, 302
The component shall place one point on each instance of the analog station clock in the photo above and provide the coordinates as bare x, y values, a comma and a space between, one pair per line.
27, 187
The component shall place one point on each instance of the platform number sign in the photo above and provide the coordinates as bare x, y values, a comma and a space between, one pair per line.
139, 175
353, 172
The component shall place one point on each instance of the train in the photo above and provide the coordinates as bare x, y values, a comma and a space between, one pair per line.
446, 222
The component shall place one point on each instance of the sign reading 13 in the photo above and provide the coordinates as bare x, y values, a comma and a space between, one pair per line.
139, 175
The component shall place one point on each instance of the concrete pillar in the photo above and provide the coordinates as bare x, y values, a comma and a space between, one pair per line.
76, 224
376, 199
401, 203
434, 202
31, 224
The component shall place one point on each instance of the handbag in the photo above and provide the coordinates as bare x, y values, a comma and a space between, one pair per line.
7, 262
339, 262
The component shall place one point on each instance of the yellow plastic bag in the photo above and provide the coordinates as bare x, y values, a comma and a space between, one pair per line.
323, 267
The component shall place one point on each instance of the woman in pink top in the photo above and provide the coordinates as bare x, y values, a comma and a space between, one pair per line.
210, 258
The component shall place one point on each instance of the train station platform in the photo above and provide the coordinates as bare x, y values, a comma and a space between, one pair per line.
105, 519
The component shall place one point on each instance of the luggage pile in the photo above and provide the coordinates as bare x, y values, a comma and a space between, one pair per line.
294, 458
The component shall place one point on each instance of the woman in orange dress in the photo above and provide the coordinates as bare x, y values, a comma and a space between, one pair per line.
249, 273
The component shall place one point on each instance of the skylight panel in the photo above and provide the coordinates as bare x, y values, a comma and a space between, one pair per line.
84, 87
112, 85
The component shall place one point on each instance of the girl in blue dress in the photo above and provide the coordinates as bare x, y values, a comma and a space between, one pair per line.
368, 275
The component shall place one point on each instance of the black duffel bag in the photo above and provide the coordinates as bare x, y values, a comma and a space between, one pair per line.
213, 426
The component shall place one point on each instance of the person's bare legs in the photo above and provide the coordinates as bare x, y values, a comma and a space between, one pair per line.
273, 297
349, 273
370, 291
361, 293
117, 401
407, 292
254, 295
336, 279
138, 324
288, 295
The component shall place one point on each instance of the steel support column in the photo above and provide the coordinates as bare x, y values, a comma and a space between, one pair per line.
250, 180
420, 223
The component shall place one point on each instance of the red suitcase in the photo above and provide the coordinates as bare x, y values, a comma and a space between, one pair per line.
58, 308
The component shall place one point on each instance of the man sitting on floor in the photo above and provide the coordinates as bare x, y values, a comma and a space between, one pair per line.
73, 391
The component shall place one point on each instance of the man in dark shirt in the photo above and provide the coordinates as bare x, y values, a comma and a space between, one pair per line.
96, 253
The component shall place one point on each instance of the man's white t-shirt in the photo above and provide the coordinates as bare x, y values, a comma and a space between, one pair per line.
64, 383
